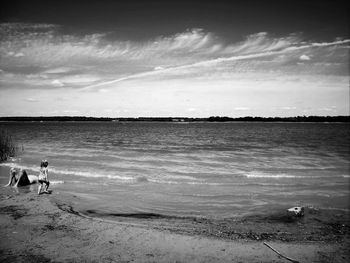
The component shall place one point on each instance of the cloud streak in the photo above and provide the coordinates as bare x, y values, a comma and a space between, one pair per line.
269, 52
39, 55
191, 73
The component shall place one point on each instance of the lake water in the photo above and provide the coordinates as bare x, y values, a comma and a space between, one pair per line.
213, 170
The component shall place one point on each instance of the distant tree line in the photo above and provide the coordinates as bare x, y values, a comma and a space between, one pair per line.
182, 119
55, 118
283, 119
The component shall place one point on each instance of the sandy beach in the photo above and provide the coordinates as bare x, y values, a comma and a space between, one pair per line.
46, 228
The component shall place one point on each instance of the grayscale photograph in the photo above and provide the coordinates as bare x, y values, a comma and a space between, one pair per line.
174, 131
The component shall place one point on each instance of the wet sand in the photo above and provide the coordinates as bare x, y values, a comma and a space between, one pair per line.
46, 229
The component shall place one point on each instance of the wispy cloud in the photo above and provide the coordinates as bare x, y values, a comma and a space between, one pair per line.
52, 59
267, 52
192, 72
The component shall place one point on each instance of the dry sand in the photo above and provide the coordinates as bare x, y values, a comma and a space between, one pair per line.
43, 229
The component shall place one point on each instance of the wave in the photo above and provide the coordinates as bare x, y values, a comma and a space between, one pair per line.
91, 174
175, 179
68, 172
136, 178
57, 182
278, 176
162, 181
272, 176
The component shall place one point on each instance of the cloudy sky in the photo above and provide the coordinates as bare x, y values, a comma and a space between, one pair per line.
174, 58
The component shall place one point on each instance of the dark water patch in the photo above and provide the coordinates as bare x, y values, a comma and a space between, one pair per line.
95, 213
100, 214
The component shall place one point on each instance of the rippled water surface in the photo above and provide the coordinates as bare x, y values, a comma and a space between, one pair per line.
200, 169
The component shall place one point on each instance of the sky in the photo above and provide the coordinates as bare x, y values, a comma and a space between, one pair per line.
174, 58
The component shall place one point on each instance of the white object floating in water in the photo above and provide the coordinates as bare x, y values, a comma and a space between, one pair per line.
298, 210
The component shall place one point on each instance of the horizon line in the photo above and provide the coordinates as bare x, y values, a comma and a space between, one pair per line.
174, 117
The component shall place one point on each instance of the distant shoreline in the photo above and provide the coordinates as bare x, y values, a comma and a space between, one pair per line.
333, 119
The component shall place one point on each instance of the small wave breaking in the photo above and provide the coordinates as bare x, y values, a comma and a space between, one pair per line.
281, 176
68, 172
